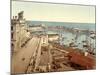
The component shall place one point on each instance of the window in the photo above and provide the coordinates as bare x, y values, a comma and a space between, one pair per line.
11, 35
11, 28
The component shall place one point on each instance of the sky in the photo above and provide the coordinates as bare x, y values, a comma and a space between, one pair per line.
54, 12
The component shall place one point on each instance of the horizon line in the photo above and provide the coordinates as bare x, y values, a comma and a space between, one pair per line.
60, 21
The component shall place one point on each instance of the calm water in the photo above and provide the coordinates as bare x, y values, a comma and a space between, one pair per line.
89, 26
68, 36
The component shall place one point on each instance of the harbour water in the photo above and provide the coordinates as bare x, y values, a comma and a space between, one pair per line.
89, 26
68, 36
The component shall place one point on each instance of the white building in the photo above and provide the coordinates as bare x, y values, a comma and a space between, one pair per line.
44, 40
53, 37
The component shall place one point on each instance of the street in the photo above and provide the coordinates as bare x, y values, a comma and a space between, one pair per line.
21, 59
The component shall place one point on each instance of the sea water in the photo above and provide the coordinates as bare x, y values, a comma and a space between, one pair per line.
69, 36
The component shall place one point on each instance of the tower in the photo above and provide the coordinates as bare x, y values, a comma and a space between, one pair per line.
20, 15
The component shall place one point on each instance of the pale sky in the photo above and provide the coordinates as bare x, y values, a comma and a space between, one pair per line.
54, 12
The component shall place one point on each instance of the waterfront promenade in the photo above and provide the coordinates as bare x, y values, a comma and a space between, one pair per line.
20, 60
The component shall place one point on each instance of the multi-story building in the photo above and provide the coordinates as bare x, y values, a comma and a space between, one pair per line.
19, 32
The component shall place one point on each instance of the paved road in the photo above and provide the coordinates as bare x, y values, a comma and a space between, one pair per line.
38, 55
21, 59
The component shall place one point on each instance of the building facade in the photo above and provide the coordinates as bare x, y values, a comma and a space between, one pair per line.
19, 32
